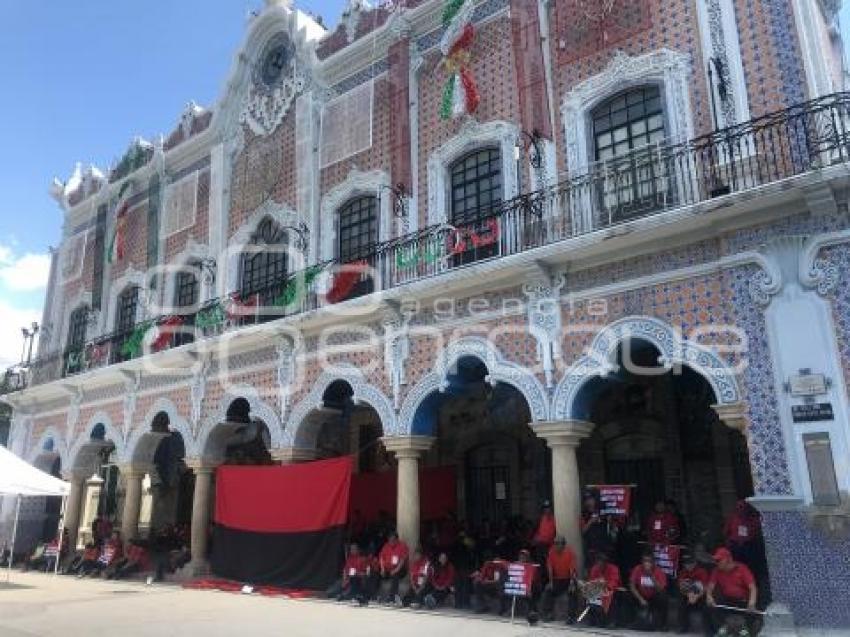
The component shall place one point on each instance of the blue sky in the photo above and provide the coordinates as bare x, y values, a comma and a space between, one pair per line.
81, 79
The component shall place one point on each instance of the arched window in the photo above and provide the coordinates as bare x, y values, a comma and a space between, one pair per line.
476, 193
125, 321
357, 237
187, 293
264, 263
77, 324
627, 130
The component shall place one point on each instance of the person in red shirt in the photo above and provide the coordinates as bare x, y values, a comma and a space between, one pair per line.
742, 532
136, 561
488, 582
89, 561
561, 566
607, 576
662, 527
692, 580
648, 585
111, 555
544, 535
442, 582
730, 584
393, 566
421, 571
355, 577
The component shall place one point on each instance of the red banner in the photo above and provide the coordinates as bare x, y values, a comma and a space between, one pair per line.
372, 493
667, 558
520, 580
615, 500
295, 498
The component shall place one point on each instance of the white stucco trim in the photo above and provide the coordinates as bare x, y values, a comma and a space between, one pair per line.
176, 422
130, 277
472, 135
668, 69
356, 184
81, 298
59, 446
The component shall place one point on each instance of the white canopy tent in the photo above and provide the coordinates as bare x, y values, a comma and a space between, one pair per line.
19, 478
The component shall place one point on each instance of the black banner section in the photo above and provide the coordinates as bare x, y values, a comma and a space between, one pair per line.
302, 560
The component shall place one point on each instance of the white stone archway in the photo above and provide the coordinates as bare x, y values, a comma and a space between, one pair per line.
363, 393
176, 422
674, 350
499, 370
111, 434
60, 448
259, 409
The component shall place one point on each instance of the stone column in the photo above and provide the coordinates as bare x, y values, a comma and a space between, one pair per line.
73, 507
407, 450
563, 438
132, 502
200, 515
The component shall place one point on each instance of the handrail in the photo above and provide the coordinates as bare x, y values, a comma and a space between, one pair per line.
645, 182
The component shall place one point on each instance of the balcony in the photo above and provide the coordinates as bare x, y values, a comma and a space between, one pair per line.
648, 182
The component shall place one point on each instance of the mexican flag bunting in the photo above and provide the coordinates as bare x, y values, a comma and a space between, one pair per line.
118, 243
460, 93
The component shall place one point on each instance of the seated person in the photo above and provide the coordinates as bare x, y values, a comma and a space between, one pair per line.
37, 559
442, 582
600, 590
692, 581
53, 552
393, 565
355, 577
135, 561
561, 568
731, 584
488, 583
421, 572
648, 585
110, 555
88, 563
524, 605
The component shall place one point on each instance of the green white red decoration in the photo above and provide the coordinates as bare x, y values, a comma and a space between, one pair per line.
460, 93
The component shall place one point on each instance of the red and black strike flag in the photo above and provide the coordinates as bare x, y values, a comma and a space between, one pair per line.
281, 525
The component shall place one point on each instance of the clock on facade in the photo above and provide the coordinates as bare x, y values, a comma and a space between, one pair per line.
275, 63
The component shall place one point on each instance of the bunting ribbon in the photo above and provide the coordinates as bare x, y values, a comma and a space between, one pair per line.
345, 280
296, 289
237, 307
460, 93
165, 331
132, 347
210, 317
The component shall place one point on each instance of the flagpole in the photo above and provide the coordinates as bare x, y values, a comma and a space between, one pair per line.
14, 534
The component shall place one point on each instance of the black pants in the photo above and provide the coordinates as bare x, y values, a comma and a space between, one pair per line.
653, 616
415, 596
127, 569
439, 595
87, 566
394, 580
687, 611
357, 589
557, 588
485, 594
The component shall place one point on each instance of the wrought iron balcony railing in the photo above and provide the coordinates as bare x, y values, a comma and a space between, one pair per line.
648, 181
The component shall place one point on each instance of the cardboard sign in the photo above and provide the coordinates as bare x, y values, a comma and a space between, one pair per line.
520, 579
667, 558
615, 500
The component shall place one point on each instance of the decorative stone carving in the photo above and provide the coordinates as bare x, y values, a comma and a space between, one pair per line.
669, 68
824, 276
263, 111
471, 135
259, 410
188, 117
792, 261
674, 349
544, 320
73, 415
285, 370
351, 18
198, 390
132, 382
396, 349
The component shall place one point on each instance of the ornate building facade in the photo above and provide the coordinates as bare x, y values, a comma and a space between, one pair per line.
549, 243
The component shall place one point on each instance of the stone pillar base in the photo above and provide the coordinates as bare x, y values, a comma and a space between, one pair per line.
779, 622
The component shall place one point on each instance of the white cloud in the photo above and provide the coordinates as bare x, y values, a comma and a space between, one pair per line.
25, 273
11, 341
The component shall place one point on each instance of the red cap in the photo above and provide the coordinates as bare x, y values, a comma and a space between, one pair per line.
722, 554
